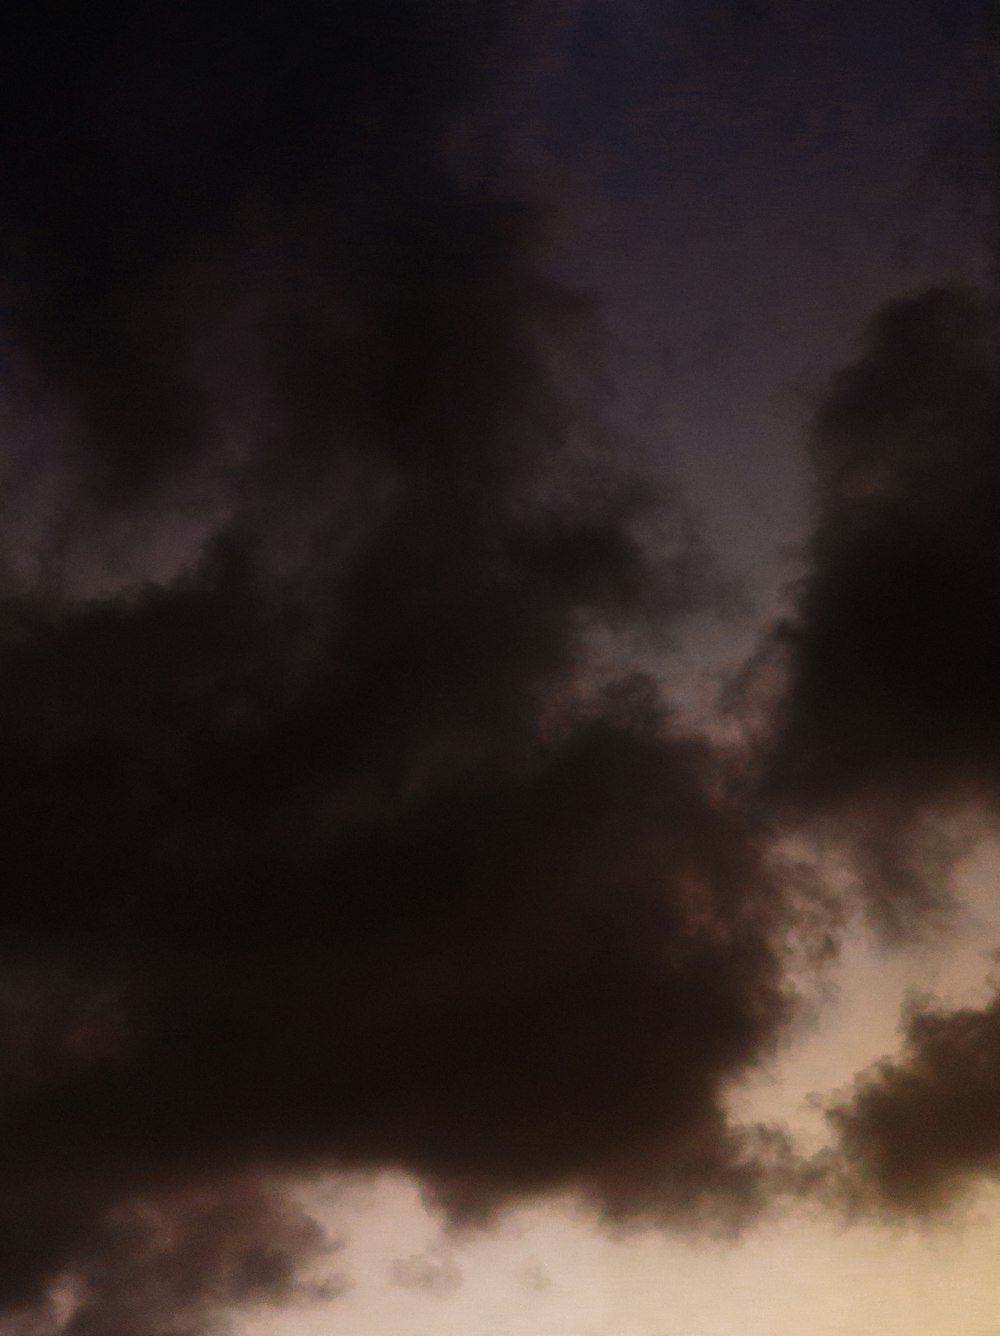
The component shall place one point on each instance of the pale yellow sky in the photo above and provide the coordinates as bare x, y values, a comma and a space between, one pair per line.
548, 1270
546, 1273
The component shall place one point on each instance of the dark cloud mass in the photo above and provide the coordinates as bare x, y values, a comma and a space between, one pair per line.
888, 731
921, 1128
890, 721
327, 841
339, 833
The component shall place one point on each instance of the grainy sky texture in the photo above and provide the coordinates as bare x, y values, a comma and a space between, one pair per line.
498, 628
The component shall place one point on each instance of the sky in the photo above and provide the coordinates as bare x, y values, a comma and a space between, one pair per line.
498, 644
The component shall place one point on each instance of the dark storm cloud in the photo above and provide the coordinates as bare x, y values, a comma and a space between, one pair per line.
921, 1128
334, 935
890, 724
327, 842
175, 1263
135, 144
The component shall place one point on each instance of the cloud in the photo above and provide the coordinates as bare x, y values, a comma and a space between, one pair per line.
432, 1272
183, 1261
215, 215
330, 842
887, 723
920, 1129
882, 727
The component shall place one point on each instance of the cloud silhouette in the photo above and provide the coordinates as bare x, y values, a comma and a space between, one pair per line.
887, 723
922, 1128
330, 840
883, 726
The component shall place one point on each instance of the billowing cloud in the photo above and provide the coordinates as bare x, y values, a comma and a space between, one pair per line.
330, 841
921, 1128
886, 719
889, 724
179, 1261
